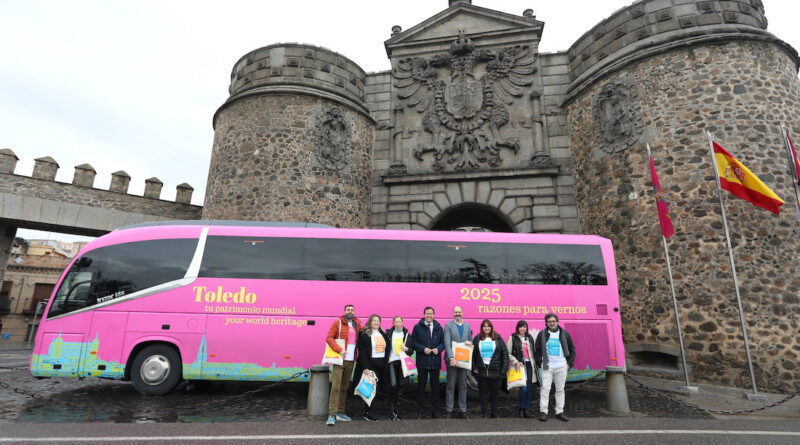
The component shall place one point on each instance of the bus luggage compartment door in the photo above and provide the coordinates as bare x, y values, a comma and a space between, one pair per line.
594, 347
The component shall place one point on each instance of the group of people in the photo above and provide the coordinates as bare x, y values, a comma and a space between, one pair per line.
369, 348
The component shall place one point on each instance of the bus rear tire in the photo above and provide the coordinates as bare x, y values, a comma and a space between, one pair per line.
156, 370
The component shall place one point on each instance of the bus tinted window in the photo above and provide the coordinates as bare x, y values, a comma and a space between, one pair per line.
253, 257
114, 271
355, 260
555, 264
456, 262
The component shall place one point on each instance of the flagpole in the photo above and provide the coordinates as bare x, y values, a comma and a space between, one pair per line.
674, 300
792, 166
733, 265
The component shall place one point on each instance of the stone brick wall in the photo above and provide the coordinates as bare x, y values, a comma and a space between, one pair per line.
740, 91
264, 164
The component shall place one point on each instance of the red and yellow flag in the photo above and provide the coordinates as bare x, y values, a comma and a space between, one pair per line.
795, 158
737, 179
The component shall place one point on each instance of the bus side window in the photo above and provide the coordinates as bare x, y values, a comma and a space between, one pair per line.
114, 271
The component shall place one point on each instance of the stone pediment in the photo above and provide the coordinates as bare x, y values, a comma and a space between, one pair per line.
483, 26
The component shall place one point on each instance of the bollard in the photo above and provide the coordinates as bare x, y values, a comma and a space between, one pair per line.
616, 391
319, 390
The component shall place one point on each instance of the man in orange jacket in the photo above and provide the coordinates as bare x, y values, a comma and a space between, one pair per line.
345, 328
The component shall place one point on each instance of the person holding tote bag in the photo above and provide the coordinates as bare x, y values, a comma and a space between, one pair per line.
490, 365
396, 336
520, 347
372, 355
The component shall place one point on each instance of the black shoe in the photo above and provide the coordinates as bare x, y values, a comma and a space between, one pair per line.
395, 416
520, 413
463, 416
370, 418
419, 415
543, 417
450, 415
434, 415
493, 415
525, 414
562, 417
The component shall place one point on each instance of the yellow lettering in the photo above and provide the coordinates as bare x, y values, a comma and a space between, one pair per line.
225, 297
199, 290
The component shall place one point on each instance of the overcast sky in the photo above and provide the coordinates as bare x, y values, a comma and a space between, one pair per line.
133, 86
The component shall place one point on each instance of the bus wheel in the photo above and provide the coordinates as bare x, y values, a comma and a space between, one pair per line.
156, 370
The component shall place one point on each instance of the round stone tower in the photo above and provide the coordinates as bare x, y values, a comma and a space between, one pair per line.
293, 141
663, 72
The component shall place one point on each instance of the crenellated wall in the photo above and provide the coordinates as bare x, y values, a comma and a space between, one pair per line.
40, 202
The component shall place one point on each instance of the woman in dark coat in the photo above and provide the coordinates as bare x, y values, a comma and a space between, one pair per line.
394, 370
490, 365
372, 356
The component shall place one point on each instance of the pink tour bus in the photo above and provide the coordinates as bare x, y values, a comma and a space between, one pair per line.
226, 300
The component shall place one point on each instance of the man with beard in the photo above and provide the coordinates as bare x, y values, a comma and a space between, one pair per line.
345, 328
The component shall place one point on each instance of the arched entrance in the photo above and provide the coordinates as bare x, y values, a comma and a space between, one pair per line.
472, 217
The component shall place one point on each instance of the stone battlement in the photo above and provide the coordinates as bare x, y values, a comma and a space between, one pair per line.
298, 68
46, 168
649, 27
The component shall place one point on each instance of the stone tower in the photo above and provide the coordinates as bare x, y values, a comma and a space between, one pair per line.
664, 72
293, 142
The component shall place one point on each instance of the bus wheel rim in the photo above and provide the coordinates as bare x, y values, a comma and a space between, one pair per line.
155, 369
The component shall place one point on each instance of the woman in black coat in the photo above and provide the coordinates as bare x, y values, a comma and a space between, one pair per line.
394, 370
372, 356
490, 365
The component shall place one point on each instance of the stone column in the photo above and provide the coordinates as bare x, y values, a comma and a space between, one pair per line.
8, 161
398, 167
538, 123
7, 234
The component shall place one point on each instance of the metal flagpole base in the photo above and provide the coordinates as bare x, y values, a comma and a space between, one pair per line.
690, 390
757, 397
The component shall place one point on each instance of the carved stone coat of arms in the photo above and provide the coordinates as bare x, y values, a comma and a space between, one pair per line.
464, 113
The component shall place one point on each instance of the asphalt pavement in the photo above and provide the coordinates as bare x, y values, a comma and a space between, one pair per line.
110, 411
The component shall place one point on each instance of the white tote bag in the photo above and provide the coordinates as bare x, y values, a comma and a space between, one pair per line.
462, 355
367, 387
331, 357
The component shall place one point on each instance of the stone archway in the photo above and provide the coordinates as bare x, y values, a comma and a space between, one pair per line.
472, 216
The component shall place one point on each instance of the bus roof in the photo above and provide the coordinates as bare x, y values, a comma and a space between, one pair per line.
223, 222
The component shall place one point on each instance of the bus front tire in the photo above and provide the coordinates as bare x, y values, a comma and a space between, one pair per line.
156, 370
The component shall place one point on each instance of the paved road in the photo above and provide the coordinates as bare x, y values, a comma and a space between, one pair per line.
98, 411
462, 432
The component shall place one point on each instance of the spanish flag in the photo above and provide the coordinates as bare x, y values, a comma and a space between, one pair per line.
737, 179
